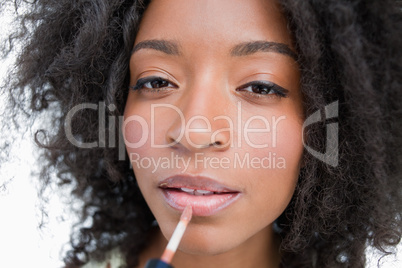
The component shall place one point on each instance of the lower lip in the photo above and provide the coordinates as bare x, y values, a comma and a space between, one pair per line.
202, 205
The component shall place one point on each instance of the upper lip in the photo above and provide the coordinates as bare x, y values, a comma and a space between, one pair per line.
196, 183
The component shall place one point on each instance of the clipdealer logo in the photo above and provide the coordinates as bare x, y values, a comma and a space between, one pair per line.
330, 156
242, 126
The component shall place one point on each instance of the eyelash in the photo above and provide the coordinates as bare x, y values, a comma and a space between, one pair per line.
268, 86
151, 79
255, 86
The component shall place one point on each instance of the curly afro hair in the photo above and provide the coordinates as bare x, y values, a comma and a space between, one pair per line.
349, 51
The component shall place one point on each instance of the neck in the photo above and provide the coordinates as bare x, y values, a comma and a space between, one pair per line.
260, 250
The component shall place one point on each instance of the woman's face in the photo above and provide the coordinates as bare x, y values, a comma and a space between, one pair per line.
214, 118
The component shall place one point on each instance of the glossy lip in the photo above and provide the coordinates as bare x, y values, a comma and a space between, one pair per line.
202, 205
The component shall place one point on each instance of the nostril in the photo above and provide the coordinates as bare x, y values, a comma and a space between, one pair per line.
172, 142
217, 143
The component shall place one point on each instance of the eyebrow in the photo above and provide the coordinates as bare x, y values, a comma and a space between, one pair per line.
248, 48
168, 47
243, 49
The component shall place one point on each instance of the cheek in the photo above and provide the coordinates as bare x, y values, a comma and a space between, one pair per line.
137, 138
146, 125
276, 140
144, 131
135, 127
273, 185
135, 132
288, 142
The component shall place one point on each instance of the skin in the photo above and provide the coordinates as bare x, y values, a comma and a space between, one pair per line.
205, 80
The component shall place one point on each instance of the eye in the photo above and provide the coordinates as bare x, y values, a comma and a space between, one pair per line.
261, 88
153, 83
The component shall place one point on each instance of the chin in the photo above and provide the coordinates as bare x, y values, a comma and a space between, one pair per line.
210, 241
206, 247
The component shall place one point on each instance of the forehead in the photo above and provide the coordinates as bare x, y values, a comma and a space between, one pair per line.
212, 24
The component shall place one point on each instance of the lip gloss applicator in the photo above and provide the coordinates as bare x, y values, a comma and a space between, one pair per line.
167, 256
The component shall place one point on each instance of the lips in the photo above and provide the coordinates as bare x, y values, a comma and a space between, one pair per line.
206, 196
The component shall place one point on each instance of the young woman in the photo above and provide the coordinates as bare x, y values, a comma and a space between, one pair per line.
277, 121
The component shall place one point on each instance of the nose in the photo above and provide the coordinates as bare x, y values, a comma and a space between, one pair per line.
204, 121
